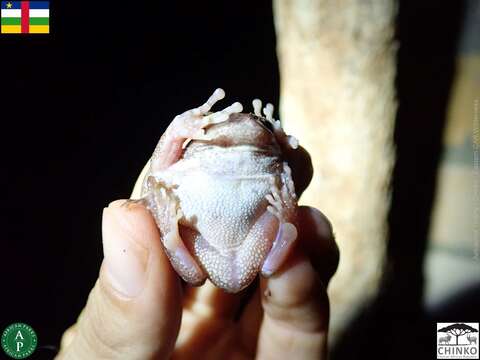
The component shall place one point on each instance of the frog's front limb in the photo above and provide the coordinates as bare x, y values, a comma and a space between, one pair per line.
285, 141
283, 204
164, 206
189, 126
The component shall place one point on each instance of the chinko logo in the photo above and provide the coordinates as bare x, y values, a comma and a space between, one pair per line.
457, 340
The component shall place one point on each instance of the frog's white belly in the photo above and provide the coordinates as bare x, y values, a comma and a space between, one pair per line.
222, 208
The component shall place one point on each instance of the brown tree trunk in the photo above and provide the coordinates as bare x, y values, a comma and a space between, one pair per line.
337, 68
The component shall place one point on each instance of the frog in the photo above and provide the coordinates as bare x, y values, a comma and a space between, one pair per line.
222, 194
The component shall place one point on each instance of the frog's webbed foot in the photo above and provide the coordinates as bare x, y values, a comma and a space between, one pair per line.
286, 141
189, 126
283, 205
164, 207
283, 202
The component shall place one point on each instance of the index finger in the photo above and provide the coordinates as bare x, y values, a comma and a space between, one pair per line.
294, 300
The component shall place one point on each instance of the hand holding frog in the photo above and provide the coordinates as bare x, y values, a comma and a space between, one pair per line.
139, 308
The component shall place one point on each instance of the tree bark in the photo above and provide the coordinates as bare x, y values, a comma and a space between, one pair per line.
337, 69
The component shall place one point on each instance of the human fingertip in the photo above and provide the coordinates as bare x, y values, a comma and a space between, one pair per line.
311, 217
319, 242
292, 296
125, 258
117, 203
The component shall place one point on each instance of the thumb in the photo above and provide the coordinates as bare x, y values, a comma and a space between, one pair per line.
134, 309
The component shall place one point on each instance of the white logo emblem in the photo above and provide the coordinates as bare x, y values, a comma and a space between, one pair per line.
457, 341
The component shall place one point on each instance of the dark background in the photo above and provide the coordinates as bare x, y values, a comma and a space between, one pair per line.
83, 107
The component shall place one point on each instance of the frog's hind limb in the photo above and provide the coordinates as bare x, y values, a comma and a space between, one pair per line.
267, 244
164, 207
189, 126
283, 205
234, 269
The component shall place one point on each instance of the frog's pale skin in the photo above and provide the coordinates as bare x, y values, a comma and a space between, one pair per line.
222, 195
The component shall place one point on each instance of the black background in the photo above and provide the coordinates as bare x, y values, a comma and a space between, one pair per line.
83, 107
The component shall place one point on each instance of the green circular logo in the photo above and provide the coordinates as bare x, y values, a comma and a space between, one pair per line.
19, 341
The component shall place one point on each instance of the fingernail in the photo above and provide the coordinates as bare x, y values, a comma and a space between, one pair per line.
125, 259
286, 236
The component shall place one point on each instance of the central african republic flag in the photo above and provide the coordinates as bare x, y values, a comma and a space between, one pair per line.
25, 17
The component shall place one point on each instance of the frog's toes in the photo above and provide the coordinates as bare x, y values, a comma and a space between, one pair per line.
268, 111
292, 142
283, 201
288, 141
288, 186
275, 202
283, 205
222, 115
217, 95
257, 107
190, 127
284, 139
191, 124
167, 213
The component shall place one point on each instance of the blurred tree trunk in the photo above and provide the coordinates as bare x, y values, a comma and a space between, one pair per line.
337, 69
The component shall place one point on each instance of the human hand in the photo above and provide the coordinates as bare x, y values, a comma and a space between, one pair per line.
139, 309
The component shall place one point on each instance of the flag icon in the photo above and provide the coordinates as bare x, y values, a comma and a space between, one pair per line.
25, 17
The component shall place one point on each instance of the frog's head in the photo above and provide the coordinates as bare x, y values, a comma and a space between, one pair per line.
241, 129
